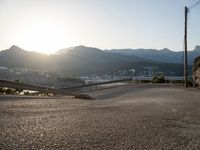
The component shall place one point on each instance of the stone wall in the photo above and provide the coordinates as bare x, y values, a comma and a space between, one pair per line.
196, 72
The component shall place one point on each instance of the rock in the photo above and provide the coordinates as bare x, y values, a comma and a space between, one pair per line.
196, 72
84, 96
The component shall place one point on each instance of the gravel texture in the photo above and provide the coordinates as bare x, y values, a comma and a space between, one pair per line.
127, 117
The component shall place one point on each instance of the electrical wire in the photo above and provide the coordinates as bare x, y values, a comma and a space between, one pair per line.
194, 5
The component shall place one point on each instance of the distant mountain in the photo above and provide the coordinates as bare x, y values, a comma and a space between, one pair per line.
72, 61
163, 55
84, 60
17, 57
81, 60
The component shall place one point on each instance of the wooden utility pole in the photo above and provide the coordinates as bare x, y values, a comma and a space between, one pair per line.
185, 43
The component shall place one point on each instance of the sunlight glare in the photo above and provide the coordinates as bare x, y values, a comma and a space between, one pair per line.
44, 37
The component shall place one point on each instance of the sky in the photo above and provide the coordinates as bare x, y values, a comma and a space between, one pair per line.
49, 25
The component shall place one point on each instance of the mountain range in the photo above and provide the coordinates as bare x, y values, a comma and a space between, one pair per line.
163, 55
81, 60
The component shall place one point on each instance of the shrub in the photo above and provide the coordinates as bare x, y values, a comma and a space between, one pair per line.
2, 90
159, 79
10, 91
189, 83
26, 93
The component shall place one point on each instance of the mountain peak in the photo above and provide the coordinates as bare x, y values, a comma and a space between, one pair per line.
15, 48
70, 49
165, 50
197, 48
84, 49
81, 46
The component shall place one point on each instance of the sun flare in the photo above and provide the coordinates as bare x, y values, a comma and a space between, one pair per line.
44, 37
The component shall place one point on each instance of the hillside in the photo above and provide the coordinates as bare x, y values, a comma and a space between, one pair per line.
81, 60
163, 55
78, 60
16, 57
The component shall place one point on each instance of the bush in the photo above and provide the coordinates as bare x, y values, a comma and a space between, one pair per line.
10, 91
159, 79
26, 93
145, 81
189, 83
18, 91
2, 90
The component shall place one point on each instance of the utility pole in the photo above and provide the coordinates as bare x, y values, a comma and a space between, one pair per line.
185, 43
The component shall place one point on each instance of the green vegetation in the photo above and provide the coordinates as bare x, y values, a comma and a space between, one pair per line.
71, 79
159, 79
27, 93
10, 91
189, 83
143, 81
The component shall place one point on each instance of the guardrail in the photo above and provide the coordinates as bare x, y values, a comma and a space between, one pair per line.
66, 90
169, 78
25, 86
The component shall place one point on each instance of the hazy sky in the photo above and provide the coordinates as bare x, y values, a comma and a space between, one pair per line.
49, 25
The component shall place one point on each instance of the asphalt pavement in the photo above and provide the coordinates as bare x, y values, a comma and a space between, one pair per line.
126, 117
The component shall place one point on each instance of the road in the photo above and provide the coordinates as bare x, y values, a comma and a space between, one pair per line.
126, 117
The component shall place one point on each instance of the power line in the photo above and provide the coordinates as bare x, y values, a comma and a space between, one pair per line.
194, 5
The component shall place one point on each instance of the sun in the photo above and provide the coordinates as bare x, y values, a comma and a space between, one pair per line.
44, 37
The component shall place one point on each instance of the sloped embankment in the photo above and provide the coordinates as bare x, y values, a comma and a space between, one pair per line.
196, 72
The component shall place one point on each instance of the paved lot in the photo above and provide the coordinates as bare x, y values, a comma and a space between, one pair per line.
128, 117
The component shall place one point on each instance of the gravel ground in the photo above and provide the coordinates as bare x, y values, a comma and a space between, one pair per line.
126, 117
